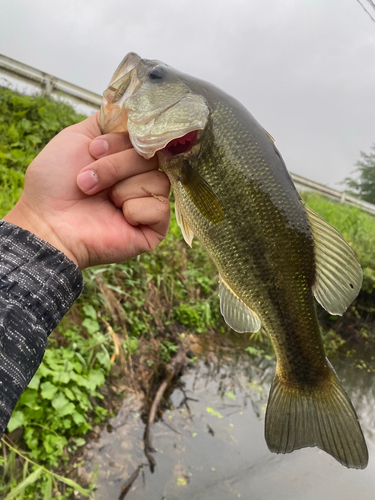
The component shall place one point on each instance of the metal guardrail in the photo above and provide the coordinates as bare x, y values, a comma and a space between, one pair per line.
50, 84
340, 196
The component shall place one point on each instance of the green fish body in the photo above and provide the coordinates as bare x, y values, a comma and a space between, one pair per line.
273, 253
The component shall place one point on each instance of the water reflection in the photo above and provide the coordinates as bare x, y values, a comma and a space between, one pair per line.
211, 445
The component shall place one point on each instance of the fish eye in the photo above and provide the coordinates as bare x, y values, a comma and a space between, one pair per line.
157, 73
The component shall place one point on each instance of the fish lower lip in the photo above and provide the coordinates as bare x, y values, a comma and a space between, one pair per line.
181, 144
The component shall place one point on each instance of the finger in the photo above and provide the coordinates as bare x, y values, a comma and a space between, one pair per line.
154, 183
106, 171
90, 126
109, 144
150, 212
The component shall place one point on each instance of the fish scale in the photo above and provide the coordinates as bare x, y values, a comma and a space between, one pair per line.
233, 192
257, 259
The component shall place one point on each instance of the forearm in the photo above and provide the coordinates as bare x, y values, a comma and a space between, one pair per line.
38, 285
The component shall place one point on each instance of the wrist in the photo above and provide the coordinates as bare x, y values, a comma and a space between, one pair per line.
22, 216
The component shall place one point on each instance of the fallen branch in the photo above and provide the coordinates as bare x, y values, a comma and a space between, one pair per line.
171, 424
172, 371
129, 482
116, 342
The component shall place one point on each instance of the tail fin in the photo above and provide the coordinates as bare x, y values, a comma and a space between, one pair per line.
322, 417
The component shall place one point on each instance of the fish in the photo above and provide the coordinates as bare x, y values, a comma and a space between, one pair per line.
273, 253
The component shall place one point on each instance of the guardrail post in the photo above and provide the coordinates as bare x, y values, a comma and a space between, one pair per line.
47, 86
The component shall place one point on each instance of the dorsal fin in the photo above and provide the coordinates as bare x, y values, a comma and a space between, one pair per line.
338, 275
236, 314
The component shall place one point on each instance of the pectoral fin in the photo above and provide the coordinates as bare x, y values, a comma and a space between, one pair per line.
202, 195
236, 314
338, 275
187, 233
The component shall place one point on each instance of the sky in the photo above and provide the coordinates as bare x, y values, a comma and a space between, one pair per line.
304, 68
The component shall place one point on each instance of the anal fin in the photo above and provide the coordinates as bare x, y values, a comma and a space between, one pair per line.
322, 416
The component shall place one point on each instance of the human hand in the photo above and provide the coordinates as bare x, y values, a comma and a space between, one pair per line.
106, 214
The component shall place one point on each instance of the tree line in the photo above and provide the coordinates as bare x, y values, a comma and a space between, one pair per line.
364, 185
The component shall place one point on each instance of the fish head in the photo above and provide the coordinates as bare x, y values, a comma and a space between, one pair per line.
151, 101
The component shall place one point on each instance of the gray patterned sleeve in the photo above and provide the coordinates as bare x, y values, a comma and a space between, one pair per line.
38, 284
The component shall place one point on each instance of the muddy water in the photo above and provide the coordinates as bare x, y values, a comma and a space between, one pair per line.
213, 447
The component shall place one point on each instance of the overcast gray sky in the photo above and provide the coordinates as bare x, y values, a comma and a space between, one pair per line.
304, 68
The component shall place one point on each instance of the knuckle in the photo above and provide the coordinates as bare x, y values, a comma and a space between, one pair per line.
165, 208
129, 211
163, 181
114, 168
114, 195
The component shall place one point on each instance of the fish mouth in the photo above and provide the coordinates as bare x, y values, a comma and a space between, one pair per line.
181, 145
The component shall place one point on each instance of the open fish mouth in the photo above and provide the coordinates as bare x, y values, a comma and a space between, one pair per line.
170, 144
181, 144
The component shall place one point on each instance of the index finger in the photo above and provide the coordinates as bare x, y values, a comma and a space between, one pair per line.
109, 144
109, 170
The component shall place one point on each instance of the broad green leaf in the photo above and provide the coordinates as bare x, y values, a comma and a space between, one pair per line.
96, 379
78, 418
104, 359
91, 325
62, 377
69, 394
51, 442
44, 371
13, 133
59, 401
67, 423
17, 419
29, 398
90, 312
35, 381
62, 405
48, 390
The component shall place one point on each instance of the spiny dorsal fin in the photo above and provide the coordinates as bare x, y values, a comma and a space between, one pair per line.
321, 416
338, 275
236, 314
187, 233
269, 135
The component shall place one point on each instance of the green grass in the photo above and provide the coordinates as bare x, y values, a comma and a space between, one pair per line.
27, 124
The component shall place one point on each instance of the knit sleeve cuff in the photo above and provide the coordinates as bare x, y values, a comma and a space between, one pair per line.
37, 275
38, 284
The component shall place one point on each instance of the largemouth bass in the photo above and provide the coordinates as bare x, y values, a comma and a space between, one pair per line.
273, 253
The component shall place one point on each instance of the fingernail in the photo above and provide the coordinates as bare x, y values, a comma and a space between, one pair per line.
87, 180
98, 147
